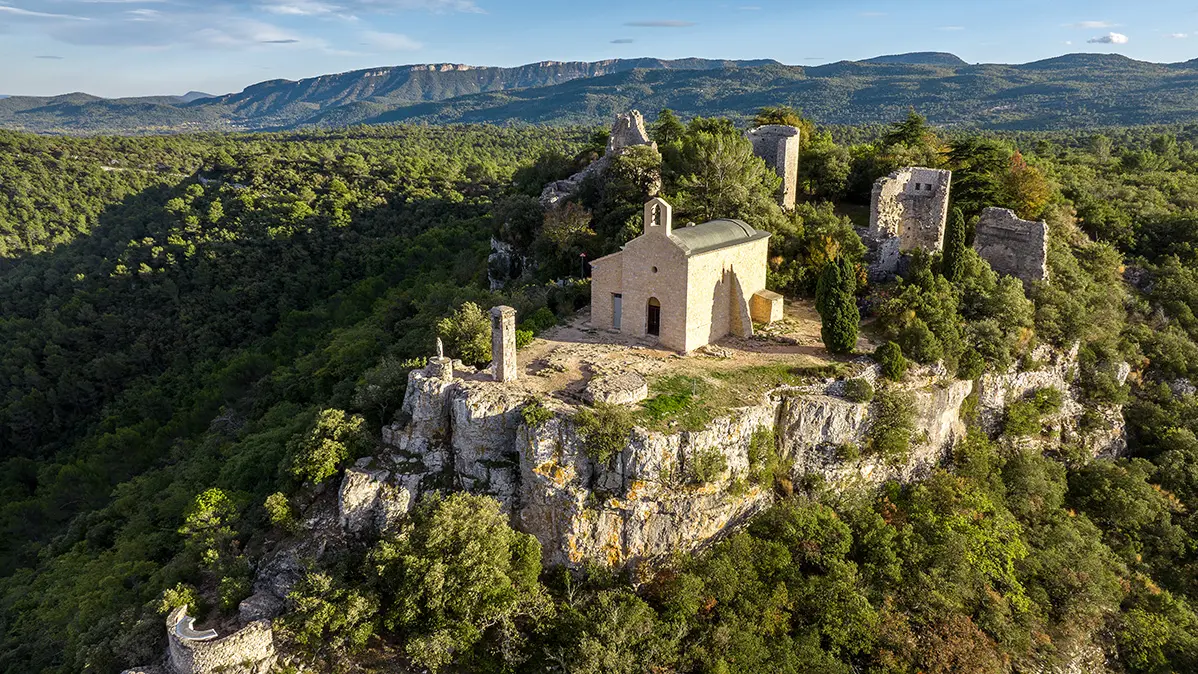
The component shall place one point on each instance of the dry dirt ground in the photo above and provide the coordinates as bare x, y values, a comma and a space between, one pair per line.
561, 362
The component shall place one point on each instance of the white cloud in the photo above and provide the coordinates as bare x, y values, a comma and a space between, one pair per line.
1178, 36
25, 13
952, 28
1109, 38
660, 24
1091, 25
390, 41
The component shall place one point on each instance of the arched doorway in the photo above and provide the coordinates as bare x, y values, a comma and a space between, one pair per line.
653, 320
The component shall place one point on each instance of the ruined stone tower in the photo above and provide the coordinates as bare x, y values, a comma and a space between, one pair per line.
779, 146
908, 211
503, 343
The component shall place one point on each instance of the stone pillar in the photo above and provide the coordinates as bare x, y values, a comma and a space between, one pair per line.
778, 145
503, 343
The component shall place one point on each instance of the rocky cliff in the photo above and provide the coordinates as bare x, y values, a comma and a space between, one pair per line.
646, 501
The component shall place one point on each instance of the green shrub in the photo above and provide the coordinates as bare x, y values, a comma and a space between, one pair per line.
859, 390
279, 510
1022, 419
1048, 400
524, 338
920, 343
467, 334
707, 465
604, 430
1025, 417
334, 438
971, 365
765, 463
539, 321
232, 590
535, 414
848, 452
180, 595
893, 426
890, 357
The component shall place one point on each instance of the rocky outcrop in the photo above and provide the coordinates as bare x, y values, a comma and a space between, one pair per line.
671, 492
1099, 430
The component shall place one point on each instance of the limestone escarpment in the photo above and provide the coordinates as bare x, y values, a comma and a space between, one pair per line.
646, 501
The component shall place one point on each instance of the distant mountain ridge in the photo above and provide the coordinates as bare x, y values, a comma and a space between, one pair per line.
1070, 91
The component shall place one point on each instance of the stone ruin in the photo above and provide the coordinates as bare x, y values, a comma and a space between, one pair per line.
627, 131
503, 344
908, 211
1013, 246
778, 145
250, 650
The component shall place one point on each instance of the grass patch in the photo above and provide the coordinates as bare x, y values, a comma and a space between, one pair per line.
690, 401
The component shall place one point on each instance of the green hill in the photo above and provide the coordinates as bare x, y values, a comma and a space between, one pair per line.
1071, 91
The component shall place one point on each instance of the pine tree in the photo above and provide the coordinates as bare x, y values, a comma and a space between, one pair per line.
952, 264
838, 307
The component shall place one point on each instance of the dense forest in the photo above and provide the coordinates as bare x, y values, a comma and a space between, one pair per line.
200, 331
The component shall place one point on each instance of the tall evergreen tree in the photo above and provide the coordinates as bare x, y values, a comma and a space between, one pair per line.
952, 264
837, 306
667, 129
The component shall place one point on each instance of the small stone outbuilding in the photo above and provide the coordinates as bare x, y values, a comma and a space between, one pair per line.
682, 287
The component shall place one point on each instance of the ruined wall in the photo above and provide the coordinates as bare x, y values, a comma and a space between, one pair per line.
249, 650
1013, 246
628, 130
910, 205
778, 145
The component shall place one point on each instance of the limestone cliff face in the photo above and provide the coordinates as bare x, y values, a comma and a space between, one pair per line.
646, 502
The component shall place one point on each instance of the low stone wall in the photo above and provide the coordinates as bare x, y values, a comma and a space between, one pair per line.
250, 650
1013, 246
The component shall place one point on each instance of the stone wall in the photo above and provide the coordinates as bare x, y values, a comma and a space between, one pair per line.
778, 145
1013, 246
910, 205
249, 650
718, 287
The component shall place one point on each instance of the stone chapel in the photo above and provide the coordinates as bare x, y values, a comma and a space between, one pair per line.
684, 287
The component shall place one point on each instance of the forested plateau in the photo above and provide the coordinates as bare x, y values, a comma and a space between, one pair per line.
200, 332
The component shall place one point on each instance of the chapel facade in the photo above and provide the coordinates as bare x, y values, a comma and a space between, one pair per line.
684, 287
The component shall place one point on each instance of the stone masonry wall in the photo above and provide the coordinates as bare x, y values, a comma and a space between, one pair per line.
249, 650
778, 145
1013, 246
910, 205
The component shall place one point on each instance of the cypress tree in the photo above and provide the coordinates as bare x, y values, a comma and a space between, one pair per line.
838, 307
952, 264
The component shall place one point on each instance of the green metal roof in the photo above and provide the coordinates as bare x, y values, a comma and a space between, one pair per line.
714, 235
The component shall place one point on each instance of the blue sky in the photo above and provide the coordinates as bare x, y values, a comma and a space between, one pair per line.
141, 47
